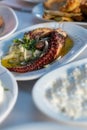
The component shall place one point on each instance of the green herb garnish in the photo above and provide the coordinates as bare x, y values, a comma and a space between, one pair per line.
6, 89
27, 43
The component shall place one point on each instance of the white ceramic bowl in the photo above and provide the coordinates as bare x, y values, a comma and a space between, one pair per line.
44, 87
10, 93
77, 34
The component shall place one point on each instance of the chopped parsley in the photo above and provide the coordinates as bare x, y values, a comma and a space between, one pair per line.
29, 44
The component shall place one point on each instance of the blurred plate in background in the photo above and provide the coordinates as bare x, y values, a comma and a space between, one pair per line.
10, 21
38, 11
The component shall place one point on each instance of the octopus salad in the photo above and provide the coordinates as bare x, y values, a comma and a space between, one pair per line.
36, 49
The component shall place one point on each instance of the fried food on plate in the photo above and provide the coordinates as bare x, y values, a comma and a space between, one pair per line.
53, 4
70, 5
56, 18
84, 7
65, 10
59, 13
60, 16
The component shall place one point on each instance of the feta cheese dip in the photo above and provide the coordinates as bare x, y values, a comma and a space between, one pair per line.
68, 94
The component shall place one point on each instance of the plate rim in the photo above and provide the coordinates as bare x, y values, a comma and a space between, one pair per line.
32, 1
26, 77
47, 125
16, 20
14, 98
45, 77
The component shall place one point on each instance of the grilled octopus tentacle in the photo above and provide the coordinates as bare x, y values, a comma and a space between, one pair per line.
56, 43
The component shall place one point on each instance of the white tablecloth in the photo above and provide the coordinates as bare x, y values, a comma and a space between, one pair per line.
25, 111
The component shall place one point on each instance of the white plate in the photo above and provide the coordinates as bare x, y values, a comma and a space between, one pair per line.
38, 11
9, 83
77, 33
10, 21
43, 84
34, 1
43, 126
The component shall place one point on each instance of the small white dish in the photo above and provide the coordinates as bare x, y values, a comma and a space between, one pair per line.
38, 11
10, 93
44, 84
10, 21
77, 34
